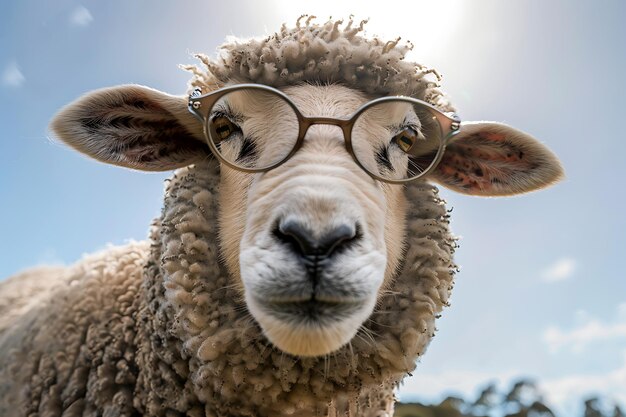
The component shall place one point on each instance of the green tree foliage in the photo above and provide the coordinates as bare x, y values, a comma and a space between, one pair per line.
592, 408
524, 399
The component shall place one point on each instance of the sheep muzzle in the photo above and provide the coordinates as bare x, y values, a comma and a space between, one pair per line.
312, 275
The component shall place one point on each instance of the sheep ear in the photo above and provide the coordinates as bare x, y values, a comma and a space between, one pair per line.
132, 126
493, 159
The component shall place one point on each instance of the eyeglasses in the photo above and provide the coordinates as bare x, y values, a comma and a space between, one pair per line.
256, 128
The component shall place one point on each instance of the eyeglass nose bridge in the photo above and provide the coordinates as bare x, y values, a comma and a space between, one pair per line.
344, 124
309, 121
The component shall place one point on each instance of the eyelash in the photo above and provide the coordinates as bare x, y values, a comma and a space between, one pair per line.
225, 111
233, 118
398, 128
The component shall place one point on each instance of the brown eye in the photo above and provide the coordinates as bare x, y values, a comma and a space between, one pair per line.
406, 139
222, 128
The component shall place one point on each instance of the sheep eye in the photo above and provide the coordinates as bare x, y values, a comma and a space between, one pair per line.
222, 128
405, 139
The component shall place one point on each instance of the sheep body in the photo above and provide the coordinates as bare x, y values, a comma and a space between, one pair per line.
153, 328
77, 341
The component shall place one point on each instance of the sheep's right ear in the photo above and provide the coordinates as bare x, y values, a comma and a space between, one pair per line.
492, 159
132, 126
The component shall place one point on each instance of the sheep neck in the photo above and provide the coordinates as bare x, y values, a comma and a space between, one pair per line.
216, 361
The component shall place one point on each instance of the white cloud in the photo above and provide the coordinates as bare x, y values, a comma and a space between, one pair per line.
12, 76
589, 330
81, 16
568, 390
560, 270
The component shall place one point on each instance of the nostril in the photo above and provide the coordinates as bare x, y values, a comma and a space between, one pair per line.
297, 236
302, 240
336, 238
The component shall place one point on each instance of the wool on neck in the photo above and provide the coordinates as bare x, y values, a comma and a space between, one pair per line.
216, 353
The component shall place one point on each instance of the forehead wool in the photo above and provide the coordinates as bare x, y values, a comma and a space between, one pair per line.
327, 53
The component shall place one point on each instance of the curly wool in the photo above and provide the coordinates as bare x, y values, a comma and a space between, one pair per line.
163, 332
321, 53
231, 363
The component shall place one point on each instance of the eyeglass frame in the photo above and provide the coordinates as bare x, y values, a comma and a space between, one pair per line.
449, 124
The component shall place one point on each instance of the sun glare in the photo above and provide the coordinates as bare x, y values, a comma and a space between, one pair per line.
429, 25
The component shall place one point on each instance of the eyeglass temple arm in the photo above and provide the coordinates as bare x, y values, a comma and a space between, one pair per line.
450, 124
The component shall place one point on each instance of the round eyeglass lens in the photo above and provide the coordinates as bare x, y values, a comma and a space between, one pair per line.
253, 128
397, 139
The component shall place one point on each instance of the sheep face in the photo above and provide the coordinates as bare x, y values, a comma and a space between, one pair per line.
313, 243
314, 239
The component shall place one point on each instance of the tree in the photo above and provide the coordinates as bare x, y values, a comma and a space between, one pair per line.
524, 399
592, 408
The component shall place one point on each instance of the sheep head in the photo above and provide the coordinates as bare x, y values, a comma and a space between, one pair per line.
313, 243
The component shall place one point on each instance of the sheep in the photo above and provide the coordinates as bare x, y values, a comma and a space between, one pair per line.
205, 317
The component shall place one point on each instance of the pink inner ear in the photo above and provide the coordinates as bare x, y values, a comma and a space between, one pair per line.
498, 137
483, 162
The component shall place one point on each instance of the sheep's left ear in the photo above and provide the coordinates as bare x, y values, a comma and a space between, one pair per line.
493, 159
132, 126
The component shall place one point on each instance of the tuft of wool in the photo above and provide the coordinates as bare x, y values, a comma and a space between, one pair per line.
163, 330
331, 52
73, 352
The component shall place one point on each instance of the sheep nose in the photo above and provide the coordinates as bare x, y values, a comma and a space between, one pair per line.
304, 243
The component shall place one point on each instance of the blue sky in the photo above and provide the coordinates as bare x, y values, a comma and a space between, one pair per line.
542, 291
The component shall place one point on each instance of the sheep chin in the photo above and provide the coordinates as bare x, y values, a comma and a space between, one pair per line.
310, 339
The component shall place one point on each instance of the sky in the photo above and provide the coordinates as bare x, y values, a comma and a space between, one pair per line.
542, 289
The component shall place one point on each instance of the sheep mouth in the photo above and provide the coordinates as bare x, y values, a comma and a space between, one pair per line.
306, 315
312, 310
310, 327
